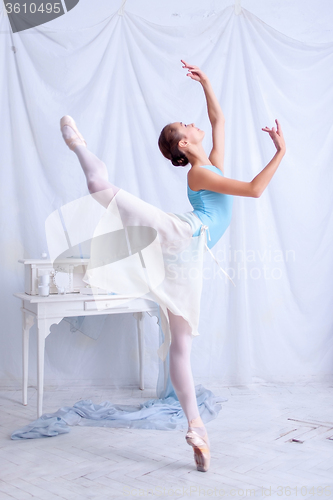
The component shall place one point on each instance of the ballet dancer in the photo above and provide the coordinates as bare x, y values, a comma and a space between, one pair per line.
210, 194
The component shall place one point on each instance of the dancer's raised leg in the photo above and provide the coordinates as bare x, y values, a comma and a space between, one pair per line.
94, 169
183, 383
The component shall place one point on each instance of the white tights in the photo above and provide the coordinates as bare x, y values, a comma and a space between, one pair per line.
97, 176
180, 349
180, 365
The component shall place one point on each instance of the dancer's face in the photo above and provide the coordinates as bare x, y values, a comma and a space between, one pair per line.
190, 132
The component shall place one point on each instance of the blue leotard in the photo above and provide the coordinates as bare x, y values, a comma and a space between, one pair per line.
213, 209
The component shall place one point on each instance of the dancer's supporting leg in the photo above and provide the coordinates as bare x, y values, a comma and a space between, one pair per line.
181, 372
95, 171
182, 381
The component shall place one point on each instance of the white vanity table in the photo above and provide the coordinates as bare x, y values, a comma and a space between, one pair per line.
50, 310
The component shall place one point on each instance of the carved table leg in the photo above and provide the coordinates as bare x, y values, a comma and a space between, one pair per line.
139, 316
43, 330
40, 366
27, 322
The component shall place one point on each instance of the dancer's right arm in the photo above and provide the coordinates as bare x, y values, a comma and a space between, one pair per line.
205, 179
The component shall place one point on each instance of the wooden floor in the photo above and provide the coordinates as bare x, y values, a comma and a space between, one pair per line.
269, 441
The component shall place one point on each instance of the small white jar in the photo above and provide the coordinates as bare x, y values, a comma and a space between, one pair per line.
44, 290
44, 279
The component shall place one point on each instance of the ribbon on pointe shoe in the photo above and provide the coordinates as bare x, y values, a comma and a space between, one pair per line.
73, 141
200, 448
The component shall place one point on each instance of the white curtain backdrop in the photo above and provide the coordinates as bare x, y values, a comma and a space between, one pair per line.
119, 75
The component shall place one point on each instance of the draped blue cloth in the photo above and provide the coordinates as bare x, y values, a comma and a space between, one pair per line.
162, 413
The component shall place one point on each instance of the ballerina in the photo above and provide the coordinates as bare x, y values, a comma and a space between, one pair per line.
211, 195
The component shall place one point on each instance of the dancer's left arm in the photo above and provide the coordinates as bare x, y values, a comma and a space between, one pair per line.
215, 114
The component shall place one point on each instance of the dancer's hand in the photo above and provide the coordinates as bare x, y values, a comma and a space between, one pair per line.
276, 136
194, 72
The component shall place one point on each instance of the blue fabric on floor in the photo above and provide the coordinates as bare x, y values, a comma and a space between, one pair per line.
162, 413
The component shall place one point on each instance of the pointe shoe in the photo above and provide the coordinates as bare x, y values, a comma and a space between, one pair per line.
201, 449
73, 141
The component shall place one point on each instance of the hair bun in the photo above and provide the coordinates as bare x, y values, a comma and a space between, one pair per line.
168, 144
179, 161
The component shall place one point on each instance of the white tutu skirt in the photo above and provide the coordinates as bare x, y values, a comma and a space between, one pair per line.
138, 250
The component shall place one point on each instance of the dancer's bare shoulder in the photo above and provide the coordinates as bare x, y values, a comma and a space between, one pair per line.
204, 178
193, 180
195, 176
